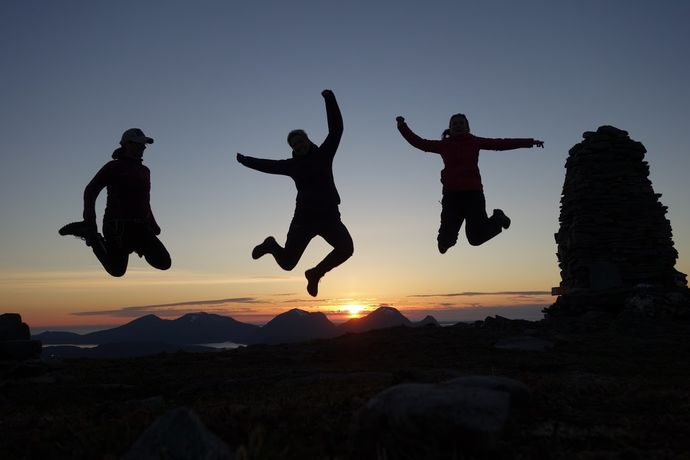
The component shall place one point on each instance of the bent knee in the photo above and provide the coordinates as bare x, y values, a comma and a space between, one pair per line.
348, 250
117, 272
288, 265
474, 241
165, 265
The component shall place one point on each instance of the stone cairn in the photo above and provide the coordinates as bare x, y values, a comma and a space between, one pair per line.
615, 246
15, 339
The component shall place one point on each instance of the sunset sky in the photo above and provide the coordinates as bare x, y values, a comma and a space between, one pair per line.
211, 78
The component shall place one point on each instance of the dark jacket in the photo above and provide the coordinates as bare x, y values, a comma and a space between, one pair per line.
313, 172
460, 155
129, 186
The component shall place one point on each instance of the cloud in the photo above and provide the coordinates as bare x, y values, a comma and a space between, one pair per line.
522, 294
168, 308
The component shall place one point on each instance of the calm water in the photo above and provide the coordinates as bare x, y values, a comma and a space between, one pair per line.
220, 346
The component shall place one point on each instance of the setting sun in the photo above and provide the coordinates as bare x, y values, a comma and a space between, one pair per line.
353, 310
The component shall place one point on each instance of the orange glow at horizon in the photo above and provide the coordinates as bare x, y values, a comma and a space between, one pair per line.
353, 310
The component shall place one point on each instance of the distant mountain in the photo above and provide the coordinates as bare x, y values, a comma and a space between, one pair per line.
427, 321
295, 326
122, 350
151, 334
192, 328
380, 318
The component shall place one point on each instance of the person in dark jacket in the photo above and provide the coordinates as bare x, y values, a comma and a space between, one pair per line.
128, 222
463, 193
316, 207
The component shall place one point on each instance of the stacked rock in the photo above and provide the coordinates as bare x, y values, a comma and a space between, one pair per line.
15, 339
614, 240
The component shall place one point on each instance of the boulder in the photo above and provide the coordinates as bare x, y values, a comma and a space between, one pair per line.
178, 435
459, 418
12, 328
15, 339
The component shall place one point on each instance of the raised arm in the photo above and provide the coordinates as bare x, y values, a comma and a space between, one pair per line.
335, 123
416, 141
265, 166
93, 188
507, 144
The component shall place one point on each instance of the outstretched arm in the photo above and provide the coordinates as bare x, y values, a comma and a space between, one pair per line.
263, 165
416, 141
335, 122
93, 188
508, 144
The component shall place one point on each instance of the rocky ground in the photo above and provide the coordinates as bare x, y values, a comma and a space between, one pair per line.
599, 388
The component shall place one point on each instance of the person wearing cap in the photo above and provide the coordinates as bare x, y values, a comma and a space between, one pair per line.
316, 209
128, 222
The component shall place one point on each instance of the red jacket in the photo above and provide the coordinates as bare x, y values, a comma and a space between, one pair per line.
460, 155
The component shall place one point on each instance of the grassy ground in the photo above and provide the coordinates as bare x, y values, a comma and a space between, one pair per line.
615, 389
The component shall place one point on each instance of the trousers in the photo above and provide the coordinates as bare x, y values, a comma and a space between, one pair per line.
123, 237
469, 207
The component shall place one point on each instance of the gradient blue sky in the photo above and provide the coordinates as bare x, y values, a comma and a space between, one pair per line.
208, 79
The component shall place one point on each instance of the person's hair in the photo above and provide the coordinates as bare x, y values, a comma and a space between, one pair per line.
459, 115
117, 153
296, 132
446, 132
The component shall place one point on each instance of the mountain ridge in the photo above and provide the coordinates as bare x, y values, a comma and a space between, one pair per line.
295, 325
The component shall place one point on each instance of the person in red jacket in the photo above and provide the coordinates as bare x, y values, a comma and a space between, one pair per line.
128, 222
463, 194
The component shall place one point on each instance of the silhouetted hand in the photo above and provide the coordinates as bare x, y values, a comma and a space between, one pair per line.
539, 144
327, 92
155, 229
240, 158
400, 121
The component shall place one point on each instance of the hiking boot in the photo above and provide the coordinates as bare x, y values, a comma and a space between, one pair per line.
313, 278
501, 218
442, 248
80, 230
262, 249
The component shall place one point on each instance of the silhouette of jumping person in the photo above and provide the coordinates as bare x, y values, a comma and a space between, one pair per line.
128, 223
463, 193
316, 207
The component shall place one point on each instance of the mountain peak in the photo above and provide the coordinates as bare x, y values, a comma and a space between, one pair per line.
380, 318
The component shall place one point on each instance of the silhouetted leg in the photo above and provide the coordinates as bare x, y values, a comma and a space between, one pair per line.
339, 237
479, 227
113, 259
154, 251
452, 217
335, 233
298, 237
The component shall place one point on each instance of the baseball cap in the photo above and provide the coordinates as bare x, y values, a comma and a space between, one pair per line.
135, 135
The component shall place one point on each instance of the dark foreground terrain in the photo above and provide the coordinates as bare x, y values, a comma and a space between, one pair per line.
607, 389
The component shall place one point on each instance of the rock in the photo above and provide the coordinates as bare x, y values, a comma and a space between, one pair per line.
460, 418
524, 343
12, 328
178, 435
